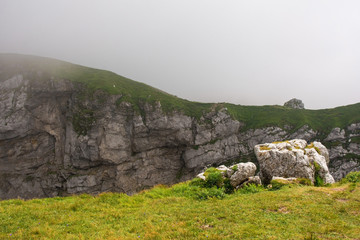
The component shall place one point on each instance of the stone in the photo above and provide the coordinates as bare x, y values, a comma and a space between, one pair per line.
341, 168
336, 134
294, 103
292, 158
201, 176
243, 172
224, 170
305, 132
251, 180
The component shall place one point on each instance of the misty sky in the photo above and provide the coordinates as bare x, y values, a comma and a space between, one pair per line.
244, 52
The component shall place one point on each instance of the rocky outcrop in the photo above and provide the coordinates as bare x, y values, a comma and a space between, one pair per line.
295, 159
294, 103
239, 174
57, 139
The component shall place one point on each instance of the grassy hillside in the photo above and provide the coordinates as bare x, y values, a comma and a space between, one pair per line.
177, 212
322, 120
138, 93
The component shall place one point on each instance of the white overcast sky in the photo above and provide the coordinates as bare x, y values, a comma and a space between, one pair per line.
254, 52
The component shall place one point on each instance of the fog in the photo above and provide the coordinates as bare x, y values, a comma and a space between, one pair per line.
256, 52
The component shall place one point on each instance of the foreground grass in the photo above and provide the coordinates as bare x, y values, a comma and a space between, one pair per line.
172, 213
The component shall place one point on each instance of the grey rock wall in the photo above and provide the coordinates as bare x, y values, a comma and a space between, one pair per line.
55, 141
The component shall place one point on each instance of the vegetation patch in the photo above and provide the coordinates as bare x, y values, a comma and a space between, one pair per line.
352, 177
235, 168
352, 156
318, 181
251, 188
83, 120
355, 140
264, 148
311, 145
277, 142
176, 213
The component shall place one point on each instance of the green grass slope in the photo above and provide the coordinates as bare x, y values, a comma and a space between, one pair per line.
137, 93
297, 212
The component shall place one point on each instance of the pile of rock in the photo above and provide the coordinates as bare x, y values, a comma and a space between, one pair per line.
239, 174
295, 103
285, 161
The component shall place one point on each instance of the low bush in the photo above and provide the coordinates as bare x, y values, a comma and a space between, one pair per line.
213, 178
227, 186
319, 182
197, 182
352, 177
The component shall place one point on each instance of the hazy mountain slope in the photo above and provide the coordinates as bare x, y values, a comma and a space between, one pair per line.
67, 129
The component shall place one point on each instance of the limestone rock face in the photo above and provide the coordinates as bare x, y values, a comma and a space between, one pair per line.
56, 140
294, 103
336, 134
293, 158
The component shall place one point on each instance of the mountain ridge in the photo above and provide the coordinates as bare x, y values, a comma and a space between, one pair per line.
68, 129
137, 92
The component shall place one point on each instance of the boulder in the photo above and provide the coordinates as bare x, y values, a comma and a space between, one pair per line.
294, 103
251, 180
294, 158
336, 134
243, 172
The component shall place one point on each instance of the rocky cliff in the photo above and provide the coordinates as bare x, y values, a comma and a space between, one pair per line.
60, 134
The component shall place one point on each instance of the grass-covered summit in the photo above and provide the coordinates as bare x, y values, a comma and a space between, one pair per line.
137, 93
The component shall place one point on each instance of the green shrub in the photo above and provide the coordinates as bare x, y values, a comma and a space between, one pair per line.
353, 177
210, 170
213, 178
319, 182
227, 186
197, 182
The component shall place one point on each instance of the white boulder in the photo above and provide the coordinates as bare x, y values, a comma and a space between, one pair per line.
243, 172
294, 158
